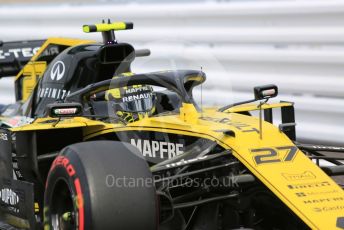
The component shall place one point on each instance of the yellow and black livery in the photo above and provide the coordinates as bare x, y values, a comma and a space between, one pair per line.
68, 161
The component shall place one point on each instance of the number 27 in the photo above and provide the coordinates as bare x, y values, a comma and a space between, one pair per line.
271, 155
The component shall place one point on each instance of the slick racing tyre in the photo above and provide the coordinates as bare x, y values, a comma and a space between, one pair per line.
100, 185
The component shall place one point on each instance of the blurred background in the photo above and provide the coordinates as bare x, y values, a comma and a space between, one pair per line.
298, 45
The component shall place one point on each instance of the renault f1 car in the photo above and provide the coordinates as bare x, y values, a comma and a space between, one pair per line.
68, 161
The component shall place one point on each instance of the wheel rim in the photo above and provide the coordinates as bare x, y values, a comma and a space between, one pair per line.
63, 212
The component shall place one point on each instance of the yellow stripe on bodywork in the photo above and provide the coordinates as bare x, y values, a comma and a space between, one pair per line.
253, 107
55, 123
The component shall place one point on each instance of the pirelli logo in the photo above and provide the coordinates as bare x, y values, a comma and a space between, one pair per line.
309, 185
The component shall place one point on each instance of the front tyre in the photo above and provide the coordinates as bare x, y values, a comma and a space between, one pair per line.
100, 185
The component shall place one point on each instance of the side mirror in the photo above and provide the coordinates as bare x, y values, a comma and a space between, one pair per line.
64, 110
260, 93
265, 92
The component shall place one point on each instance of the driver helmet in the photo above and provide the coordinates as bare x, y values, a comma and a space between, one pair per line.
132, 103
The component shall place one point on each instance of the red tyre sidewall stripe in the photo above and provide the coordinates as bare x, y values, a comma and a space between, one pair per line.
80, 203
65, 163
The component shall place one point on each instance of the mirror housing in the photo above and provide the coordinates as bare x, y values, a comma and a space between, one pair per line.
58, 110
265, 92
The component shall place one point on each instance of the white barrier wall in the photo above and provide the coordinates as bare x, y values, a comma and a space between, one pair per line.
298, 45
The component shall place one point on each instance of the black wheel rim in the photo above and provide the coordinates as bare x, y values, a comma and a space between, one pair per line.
63, 214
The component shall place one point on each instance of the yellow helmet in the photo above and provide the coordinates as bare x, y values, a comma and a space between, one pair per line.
132, 103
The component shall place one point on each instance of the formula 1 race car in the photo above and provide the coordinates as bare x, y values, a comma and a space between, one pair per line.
91, 145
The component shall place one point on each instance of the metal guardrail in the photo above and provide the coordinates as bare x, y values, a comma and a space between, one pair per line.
318, 22
298, 45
